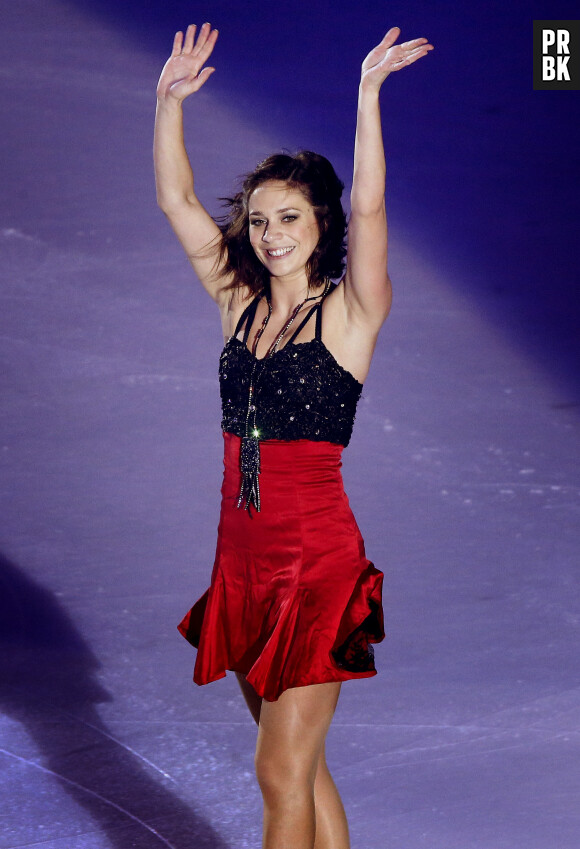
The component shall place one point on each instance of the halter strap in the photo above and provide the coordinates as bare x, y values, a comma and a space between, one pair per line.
318, 327
317, 308
249, 313
304, 321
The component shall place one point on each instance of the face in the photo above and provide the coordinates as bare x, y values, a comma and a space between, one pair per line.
283, 228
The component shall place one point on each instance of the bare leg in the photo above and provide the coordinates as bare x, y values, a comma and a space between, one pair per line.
331, 824
290, 745
253, 700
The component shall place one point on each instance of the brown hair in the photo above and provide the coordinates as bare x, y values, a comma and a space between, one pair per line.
315, 177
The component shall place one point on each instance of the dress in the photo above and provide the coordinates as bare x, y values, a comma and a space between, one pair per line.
293, 599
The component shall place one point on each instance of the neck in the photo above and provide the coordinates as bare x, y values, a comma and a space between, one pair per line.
285, 295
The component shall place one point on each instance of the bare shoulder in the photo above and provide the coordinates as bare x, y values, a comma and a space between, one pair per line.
349, 338
232, 305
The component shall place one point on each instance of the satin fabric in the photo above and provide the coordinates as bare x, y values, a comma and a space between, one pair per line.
293, 599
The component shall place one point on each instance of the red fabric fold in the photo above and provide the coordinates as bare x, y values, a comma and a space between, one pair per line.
293, 599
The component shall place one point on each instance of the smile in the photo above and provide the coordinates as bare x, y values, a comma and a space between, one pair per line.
275, 252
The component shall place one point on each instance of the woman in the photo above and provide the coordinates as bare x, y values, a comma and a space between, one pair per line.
293, 603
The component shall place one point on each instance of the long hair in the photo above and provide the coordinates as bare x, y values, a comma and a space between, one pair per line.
315, 177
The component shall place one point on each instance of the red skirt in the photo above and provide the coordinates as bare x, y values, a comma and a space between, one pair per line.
293, 599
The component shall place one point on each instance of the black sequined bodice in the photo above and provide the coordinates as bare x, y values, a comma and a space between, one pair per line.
301, 392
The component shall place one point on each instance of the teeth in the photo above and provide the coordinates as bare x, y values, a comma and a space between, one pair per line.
280, 251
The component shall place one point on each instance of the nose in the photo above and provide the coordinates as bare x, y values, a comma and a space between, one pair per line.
270, 232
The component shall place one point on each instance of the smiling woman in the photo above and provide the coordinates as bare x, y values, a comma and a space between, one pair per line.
306, 180
294, 605
283, 228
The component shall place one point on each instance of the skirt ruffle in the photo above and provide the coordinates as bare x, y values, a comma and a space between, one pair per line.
293, 599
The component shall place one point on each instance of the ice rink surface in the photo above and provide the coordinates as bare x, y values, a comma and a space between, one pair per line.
463, 471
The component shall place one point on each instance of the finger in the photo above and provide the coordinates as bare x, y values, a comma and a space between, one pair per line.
419, 51
177, 43
202, 37
189, 38
204, 52
205, 75
410, 45
411, 57
379, 52
390, 37
195, 83
209, 45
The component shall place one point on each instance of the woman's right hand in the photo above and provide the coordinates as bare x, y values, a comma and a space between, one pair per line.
184, 72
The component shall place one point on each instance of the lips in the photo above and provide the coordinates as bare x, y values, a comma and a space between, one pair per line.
276, 253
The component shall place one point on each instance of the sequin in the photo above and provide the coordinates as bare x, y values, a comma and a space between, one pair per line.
321, 408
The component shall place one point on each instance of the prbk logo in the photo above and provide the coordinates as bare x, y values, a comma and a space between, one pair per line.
557, 55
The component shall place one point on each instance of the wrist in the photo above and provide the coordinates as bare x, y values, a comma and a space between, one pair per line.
168, 103
369, 89
368, 98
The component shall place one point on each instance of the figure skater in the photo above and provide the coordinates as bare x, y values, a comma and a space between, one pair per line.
294, 605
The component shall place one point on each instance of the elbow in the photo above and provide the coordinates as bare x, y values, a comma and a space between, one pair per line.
163, 197
367, 205
172, 205
168, 210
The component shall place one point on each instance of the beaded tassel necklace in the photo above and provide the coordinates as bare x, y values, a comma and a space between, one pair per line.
250, 448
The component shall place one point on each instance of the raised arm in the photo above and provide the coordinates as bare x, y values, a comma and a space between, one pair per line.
184, 74
367, 290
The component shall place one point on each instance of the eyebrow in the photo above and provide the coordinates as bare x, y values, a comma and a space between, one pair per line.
284, 209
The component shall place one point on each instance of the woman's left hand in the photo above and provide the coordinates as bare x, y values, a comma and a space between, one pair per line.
388, 56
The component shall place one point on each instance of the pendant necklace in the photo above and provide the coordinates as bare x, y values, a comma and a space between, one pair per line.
250, 448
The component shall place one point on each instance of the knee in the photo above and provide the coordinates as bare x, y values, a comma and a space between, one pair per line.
282, 777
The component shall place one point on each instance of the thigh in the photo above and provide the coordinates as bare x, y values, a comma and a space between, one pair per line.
252, 699
292, 729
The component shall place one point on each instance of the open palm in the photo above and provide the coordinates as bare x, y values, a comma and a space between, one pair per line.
184, 72
387, 57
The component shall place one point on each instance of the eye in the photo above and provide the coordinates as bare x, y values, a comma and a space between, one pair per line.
290, 218
257, 222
